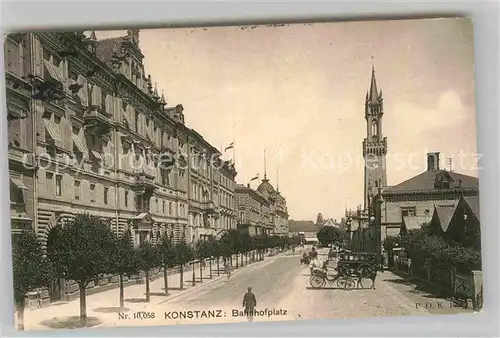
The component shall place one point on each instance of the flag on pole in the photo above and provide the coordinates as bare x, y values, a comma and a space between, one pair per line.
231, 146
256, 177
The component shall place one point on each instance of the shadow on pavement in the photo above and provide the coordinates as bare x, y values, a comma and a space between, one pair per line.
420, 288
177, 288
136, 300
399, 281
158, 294
112, 309
72, 322
322, 289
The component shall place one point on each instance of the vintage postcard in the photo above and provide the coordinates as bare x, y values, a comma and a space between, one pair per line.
247, 173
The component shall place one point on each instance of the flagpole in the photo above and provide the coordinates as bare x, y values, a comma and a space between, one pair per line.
234, 147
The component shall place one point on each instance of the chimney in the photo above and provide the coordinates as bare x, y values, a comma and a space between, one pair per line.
432, 161
248, 185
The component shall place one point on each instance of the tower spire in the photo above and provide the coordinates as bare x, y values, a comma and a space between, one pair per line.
265, 166
373, 94
277, 181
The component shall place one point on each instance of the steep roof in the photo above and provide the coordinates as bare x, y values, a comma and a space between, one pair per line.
445, 214
427, 179
473, 203
415, 222
373, 96
265, 186
302, 226
104, 50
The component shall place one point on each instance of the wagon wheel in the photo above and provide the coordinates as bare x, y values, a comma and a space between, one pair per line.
350, 284
364, 271
344, 270
341, 282
317, 282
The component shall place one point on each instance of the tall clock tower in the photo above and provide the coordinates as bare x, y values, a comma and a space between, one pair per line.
374, 145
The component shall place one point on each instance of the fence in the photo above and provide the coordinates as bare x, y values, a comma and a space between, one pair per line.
466, 288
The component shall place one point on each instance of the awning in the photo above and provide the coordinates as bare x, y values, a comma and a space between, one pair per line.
141, 216
54, 72
15, 111
96, 154
18, 182
79, 144
50, 129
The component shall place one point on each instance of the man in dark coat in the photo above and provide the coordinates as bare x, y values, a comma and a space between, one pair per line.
249, 303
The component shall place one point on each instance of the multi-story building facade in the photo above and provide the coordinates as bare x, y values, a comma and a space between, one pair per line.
277, 207
253, 211
89, 132
262, 211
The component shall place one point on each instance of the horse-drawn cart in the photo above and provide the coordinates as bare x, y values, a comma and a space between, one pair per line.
352, 269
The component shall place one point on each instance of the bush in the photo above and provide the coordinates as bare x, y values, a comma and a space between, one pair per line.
422, 246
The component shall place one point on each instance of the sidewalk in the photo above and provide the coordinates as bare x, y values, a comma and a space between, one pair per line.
104, 306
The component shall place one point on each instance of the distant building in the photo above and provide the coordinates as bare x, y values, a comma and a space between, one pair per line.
277, 207
253, 211
304, 229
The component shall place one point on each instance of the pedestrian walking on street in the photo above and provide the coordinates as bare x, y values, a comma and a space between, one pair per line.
249, 303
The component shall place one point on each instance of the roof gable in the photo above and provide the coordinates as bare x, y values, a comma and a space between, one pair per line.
473, 204
427, 181
302, 226
445, 214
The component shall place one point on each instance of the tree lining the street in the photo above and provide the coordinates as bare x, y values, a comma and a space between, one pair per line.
85, 250
183, 255
81, 251
31, 270
166, 252
124, 261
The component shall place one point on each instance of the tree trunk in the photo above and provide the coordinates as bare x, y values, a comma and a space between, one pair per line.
237, 259
201, 270
20, 315
194, 274
210, 262
165, 277
120, 282
182, 277
147, 286
218, 266
83, 304
242, 259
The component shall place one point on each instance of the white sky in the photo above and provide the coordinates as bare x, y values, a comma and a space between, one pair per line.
298, 91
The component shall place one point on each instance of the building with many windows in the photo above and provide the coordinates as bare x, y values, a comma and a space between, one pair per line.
90, 132
262, 211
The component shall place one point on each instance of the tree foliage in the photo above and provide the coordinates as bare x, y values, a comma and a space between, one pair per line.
30, 268
81, 250
421, 245
183, 253
148, 257
166, 251
391, 242
124, 260
330, 235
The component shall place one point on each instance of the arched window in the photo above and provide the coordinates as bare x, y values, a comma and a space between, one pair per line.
374, 128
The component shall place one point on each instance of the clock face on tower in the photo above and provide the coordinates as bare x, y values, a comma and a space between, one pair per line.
375, 164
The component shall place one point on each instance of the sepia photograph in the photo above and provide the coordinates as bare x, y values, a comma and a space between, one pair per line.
236, 174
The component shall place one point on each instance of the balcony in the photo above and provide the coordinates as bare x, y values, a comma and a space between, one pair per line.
97, 121
144, 180
210, 207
